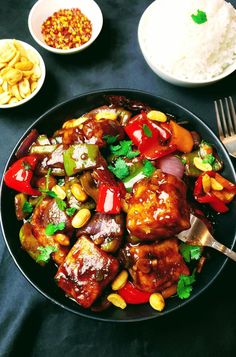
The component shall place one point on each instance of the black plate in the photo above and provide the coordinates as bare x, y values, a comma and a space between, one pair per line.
42, 278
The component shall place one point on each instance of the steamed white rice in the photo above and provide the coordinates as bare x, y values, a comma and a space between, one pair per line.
186, 49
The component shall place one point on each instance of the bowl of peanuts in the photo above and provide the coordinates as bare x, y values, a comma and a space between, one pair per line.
22, 73
65, 27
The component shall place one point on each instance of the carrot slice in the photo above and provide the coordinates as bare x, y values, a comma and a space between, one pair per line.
181, 137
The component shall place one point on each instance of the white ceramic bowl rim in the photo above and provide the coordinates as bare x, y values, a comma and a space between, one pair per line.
40, 81
42, 9
227, 71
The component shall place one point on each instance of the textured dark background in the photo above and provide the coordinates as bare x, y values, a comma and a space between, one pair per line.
29, 324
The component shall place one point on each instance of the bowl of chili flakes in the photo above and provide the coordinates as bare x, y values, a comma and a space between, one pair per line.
65, 28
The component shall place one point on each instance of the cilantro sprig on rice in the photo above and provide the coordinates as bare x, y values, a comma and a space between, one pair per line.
200, 17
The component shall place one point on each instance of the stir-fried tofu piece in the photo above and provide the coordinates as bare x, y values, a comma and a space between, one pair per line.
86, 271
155, 267
45, 213
158, 208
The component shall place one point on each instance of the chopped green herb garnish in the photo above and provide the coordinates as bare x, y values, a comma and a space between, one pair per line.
147, 131
124, 148
184, 286
70, 211
208, 159
148, 168
132, 154
45, 253
61, 182
200, 17
60, 203
110, 139
184, 161
120, 169
26, 165
27, 207
190, 252
53, 228
48, 192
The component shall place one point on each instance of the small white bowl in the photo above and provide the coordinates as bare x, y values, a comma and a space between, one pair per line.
164, 74
40, 81
42, 9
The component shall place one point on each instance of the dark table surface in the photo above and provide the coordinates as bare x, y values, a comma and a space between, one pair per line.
29, 324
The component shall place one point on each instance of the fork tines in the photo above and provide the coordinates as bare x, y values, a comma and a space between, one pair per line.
226, 117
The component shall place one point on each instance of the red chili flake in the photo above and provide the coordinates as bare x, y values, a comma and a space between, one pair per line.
67, 28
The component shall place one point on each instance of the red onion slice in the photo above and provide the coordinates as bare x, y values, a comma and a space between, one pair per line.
171, 165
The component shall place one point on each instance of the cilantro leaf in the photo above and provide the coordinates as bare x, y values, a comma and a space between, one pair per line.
53, 228
70, 211
48, 192
45, 253
148, 168
190, 252
132, 154
60, 203
209, 159
124, 148
110, 139
120, 169
61, 182
26, 165
27, 207
147, 131
182, 159
184, 286
200, 17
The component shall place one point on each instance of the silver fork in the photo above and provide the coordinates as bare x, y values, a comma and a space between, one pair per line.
198, 234
226, 123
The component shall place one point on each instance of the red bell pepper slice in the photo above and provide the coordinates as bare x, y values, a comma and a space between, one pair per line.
132, 295
225, 183
217, 204
152, 150
134, 128
150, 137
19, 175
109, 199
214, 202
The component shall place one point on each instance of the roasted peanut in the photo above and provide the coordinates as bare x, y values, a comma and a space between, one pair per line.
59, 192
73, 123
206, 183
78, 192
157, 116
62, 239
81, 218
157, 301
117, 300
24, 66
215, 185
199, 164
120, 280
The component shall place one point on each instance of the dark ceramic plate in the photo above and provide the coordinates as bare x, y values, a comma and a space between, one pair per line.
42, 278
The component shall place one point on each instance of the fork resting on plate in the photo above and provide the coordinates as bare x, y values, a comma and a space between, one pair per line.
198, 234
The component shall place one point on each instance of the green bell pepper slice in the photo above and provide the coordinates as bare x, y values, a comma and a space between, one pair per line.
80, 157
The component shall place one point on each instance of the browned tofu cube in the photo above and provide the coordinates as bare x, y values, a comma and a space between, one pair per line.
158, 208
155, 267
86, 271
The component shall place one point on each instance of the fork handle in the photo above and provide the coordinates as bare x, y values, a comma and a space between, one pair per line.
223, 249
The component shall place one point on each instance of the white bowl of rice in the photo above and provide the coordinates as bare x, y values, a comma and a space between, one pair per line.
187, 42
